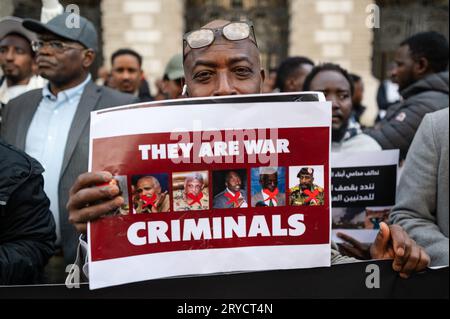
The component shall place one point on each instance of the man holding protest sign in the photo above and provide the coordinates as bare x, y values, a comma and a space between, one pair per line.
222, 58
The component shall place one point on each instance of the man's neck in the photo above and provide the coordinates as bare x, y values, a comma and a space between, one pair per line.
56, 88
11, 82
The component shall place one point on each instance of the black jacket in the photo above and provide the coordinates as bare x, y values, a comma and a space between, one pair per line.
398, 128
27, 228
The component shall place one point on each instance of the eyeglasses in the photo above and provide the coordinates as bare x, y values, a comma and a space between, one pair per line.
233, 31
55, 45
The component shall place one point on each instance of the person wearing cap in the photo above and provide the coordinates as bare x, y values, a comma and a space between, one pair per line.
306, 193
17, 57
269, 195
52, 124
172, 86
16, 60
127, 74
222, 58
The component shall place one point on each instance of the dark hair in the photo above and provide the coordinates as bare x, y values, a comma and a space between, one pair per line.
288, 67
126, 51
327, 67
355, 77
432, 46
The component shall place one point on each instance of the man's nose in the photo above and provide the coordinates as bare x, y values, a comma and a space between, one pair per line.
224, 85
125, 75
10, 55
334, 102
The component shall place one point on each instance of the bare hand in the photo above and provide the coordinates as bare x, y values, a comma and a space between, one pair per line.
392, 242
88, 202
353, 248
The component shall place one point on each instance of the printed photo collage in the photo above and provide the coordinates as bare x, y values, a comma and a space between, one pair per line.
222, 189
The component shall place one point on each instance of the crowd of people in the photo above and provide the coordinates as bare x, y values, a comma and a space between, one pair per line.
47, 93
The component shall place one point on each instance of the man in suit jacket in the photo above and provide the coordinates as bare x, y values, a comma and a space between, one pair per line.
52, 124
269, 194
233, 196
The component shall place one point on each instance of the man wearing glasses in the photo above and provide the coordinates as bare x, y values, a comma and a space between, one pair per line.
222, 58
52, 124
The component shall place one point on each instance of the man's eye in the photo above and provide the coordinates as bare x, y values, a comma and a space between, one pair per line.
20, 51
344, 96
56, 44
3, 50
241, 71
203, 75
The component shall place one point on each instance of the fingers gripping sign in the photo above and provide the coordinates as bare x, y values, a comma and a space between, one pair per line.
92, 196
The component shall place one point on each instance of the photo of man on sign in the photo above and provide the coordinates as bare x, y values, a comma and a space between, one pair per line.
234, 195
306, 188
269, 187
148, 194
190, 191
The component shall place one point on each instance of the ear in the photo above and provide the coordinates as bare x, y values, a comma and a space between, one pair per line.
421, 66
88, 58
263, 77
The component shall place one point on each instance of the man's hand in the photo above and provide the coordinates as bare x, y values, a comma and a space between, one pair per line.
87, 202
392, 242
353, 248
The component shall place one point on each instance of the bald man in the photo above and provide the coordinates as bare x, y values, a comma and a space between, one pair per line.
222, 58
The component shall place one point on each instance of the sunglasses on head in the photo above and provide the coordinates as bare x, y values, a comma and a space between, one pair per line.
233, 31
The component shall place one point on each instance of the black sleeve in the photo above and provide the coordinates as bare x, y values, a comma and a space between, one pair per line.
27, 234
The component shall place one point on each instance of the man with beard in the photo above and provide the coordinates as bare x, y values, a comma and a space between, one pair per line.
337, 86
16, 60
148, 197
306, 193
233, 196
269, 195
193, 196
421, 73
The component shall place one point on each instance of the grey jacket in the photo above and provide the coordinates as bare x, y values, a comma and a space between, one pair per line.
397, 129
17, 116
422, 197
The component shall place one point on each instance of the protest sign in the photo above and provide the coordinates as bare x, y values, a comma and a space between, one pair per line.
207, 183
363, 187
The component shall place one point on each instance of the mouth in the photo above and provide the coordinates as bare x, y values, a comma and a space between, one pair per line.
8, 68
43, 63
336, 119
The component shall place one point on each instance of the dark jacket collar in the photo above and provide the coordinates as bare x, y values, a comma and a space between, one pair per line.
433, 82
15, 169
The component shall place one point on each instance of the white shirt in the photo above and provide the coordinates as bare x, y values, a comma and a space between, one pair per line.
267, 201
8, 93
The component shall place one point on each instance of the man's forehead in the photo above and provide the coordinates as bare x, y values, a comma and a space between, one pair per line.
224, 49
14, 37
215, 24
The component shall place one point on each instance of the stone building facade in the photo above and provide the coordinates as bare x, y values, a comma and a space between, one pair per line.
361, 35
